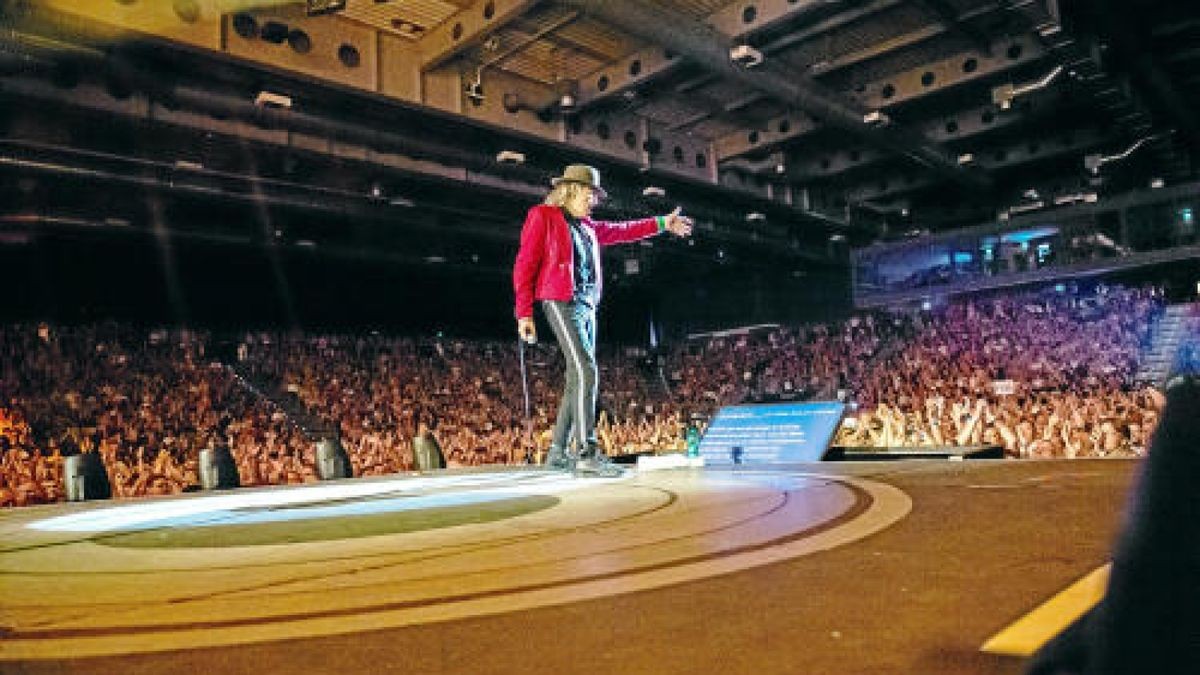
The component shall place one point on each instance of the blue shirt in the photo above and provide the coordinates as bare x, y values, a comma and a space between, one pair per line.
584, 243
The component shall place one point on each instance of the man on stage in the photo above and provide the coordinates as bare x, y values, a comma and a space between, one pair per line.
559, 265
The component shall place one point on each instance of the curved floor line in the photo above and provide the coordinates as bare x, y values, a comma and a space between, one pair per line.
448, 550
876, 507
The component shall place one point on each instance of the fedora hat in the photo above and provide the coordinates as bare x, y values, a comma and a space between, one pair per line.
582, 174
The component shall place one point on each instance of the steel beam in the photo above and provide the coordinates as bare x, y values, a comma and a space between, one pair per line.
904, 87
467, 28
883, 47
1148, 73
711, 49
954, 71
953, 128
993, 159
824, 68
709, 107
653, 62
950, 18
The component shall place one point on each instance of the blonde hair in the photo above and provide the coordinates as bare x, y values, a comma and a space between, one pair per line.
562, 193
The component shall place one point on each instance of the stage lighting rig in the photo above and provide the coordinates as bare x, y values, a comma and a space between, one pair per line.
510, 157
877, 118
318, 7
474, 90
1004, 94
745, 56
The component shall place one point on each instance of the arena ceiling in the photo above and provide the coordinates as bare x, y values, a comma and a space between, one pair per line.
782, 124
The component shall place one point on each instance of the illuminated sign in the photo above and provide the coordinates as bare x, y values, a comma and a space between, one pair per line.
780, 432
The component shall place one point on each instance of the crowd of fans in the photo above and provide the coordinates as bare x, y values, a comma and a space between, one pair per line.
1046, 374
1043, 374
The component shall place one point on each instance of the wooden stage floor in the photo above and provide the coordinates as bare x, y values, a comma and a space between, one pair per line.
873, 567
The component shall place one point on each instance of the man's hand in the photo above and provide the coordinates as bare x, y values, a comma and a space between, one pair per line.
680, 226
526, 330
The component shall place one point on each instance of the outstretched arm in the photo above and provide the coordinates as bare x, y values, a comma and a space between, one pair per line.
677, 224
608, 233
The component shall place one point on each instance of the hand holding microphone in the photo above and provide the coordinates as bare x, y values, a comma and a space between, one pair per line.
526, 330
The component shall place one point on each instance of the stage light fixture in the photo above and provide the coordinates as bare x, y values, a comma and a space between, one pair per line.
475, 92
510, 157
1004, 94
269, 99
745, 56
877, 118
318, 7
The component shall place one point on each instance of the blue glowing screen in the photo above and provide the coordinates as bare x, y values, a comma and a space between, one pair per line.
777, 432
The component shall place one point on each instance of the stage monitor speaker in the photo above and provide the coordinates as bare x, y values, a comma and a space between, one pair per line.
332, 460
84, 478
771, 433
218, 471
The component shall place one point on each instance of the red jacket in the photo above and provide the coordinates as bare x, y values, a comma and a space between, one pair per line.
544, 269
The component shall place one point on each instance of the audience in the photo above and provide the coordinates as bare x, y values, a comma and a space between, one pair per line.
1045, 374
1042, 373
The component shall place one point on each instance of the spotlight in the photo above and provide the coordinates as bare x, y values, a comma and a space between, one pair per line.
318, 7
475, 92
510, 157
1003, 95
745, 56
877, 118
269, 99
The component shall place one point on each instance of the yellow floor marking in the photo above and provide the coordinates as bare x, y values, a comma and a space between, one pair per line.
1027, 634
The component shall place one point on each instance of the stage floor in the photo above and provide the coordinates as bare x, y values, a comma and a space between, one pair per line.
890, 567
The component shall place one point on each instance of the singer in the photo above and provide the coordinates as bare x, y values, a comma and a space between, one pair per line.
558, 265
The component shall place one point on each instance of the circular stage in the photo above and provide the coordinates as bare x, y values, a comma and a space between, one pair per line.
254, 566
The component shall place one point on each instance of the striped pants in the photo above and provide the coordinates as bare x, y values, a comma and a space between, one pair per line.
574, 326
